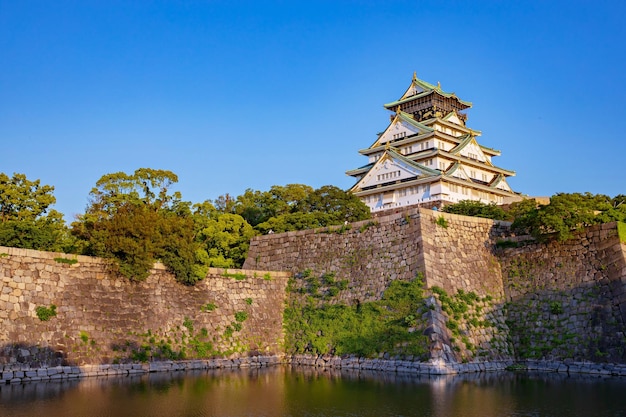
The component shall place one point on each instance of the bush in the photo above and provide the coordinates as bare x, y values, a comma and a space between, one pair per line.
46, 313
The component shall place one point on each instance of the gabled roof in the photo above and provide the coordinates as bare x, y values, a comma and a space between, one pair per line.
469, 140
410, 169
500, 179
419, 88
405, 119
360, 170
454, 168
395, 154
444, 121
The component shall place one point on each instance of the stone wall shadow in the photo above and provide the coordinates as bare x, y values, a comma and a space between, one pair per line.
23, 354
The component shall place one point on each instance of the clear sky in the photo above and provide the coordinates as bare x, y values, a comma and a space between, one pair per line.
232, 95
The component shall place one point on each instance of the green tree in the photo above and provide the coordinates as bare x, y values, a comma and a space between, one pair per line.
339, 204
260, 206
566, 213
224, 238
305, 208
135, 220
296, 221
477, 209
26, 219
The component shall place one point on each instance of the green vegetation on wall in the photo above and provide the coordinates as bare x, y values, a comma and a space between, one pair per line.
621, 231
467, 312
392, 325
46, 313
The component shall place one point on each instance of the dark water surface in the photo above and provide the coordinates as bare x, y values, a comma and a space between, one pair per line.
281, 391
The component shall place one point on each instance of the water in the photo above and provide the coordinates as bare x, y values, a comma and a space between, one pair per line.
282, 391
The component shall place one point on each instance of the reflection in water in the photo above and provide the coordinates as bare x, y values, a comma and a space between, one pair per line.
282, 391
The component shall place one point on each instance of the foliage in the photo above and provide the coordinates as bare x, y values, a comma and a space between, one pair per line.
46, 313
223, 238
565, 214
67, 261
441, 221
188, 324
135, 221
365, 329
621, 231
504, 243
208, 307
237, 275
26, 220
241, 316
294, 207
477, 209
556, 307
258, 207
21, 199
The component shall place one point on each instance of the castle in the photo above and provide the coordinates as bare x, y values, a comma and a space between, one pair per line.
427, 156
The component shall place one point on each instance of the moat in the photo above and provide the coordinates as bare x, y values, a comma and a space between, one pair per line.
285, 391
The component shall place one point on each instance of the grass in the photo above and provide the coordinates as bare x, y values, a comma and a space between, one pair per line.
66, 261
208, 307
238, 276
441, 221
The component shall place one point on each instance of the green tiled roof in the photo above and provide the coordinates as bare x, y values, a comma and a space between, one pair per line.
396, 155
464, 142
497, 181
358, 170
406, 117
428, 89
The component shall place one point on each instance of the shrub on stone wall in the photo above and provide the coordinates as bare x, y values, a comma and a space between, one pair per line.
391, 325
46, 313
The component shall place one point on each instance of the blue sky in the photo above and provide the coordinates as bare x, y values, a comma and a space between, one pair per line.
232, 95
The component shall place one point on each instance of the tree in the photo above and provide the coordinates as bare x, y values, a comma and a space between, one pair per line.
224, 238
26, 220
340, 205
135, 220
296, 221
259, 206
477, 209
566, 213
305, 208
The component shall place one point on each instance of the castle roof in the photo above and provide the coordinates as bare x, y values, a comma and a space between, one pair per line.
420, 88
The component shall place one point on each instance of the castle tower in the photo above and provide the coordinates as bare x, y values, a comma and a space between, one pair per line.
428, 156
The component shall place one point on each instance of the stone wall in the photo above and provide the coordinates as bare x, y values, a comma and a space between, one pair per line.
459, 252
368, 254
101, 319
552, 301
568, 300
455, 254
449, 251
